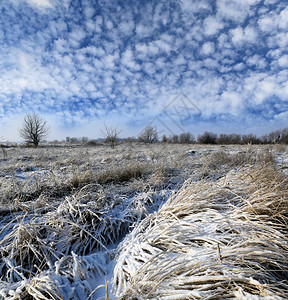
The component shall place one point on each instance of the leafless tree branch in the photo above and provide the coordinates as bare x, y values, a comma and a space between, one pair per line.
34, 129
111, 135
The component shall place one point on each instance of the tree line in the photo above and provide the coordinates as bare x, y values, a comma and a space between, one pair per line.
275, 137
34, 129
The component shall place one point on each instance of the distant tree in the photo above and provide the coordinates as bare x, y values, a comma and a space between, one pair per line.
222, 139
164, 139
232, 138
250, 139
235, 138
264, 139
111, 135
186, 138
34, 129
84, 139
149, 135
274, 136
284, 136
207, 138
130, 139
174, 139
72, 140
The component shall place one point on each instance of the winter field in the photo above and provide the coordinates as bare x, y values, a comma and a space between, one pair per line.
159, 221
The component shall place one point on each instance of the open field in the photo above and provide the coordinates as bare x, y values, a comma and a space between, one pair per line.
212, 218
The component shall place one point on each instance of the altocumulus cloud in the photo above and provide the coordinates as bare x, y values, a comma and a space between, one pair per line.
79, 63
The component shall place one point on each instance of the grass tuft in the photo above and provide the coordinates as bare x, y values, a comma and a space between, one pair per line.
122, 174
211, 240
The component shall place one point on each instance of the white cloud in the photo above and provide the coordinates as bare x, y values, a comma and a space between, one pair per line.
274, 54
27, 74
208, 48
180, 60
143, 31
281, 40
110, 59
195, 6
276, 26
239, 67
61, 45
282, 92
223, 41
56, 28
282, 116
283, 61
212, 25
257, 61
283, 19
232, 103
89, 12
40, 3
164, 45
76, 36
267, 2
153, 48
128, 59
235, 10
210, 63
268, 87
126, 27
274, 22
267, 23
98, 24
240, 35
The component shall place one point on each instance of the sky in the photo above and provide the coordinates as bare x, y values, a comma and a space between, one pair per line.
191, 65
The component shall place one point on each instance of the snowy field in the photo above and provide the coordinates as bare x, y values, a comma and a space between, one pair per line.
80, 222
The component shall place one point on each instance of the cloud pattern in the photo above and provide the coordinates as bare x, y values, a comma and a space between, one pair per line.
81, 60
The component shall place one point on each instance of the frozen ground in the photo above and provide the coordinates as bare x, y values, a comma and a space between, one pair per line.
64, 210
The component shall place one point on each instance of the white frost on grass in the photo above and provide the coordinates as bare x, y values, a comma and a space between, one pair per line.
69, 249
224, 240
60, 240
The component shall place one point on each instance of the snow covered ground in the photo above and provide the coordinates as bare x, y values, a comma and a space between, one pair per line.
66, 209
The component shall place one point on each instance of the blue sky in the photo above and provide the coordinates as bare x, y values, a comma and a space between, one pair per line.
188, 65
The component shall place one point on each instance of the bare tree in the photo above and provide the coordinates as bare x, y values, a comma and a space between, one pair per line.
111, 135
186, 138
207, 138
34, 129
149, 135
174, 139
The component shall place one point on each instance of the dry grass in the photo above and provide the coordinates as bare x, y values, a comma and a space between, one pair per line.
122, 173
63, 208
211, 241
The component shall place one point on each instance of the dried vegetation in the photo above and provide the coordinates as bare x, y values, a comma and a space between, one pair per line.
64, 211
212, 240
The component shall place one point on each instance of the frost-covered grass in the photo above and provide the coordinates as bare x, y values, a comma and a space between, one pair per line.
64, 210
220, 240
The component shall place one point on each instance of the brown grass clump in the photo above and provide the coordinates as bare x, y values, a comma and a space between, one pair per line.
121, 173
240, 158
221, 240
